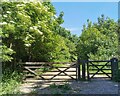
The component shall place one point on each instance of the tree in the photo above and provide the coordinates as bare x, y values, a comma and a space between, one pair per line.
99, 40
31, 31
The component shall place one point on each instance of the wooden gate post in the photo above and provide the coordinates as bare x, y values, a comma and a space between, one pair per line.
78, 69
83, 70
88, 75
114, 67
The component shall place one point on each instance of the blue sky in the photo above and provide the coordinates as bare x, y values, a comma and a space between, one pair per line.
77, 13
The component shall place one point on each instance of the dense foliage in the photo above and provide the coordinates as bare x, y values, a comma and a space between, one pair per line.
99, 41
32, 32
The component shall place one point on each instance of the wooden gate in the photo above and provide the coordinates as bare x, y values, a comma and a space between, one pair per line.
66, 71
99, 69
52, 71
94, 69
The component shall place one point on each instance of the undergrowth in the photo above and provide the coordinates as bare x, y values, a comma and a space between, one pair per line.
10, 82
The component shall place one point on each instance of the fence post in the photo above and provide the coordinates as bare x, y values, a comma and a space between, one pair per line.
83, 70
88, 77
78, 68
114, 67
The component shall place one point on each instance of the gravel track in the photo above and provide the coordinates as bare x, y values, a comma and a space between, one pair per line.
95, 86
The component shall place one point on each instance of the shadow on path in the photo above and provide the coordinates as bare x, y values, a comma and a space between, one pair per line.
95, 86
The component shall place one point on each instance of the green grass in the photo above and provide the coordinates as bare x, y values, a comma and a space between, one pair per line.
10, 83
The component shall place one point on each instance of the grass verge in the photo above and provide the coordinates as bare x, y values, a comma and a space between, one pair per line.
10, 83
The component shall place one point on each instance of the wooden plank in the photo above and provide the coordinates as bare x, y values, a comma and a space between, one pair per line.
97, 69
94, 61
62, 74
105, 77
54, 71
98, 65
99, 61
59, 75
65, 67
37, 63
45, 81
100, 73
49, 78
36, 67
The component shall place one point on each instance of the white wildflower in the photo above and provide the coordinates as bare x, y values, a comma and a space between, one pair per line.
10, 49
12, 22
4, 15
3, 23
41, 33
27, 45
8, 12
35, 27
31, 28
20, 5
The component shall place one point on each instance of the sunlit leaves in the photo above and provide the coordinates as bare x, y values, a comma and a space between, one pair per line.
33, 31
99, 41
6, 53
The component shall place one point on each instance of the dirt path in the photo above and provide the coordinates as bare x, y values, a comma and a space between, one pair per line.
95, 86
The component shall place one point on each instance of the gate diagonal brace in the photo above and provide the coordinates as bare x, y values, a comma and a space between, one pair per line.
33, 72
63, 72
100, 69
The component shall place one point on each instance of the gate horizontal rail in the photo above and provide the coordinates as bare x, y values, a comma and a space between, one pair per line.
95, 61
39, 63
